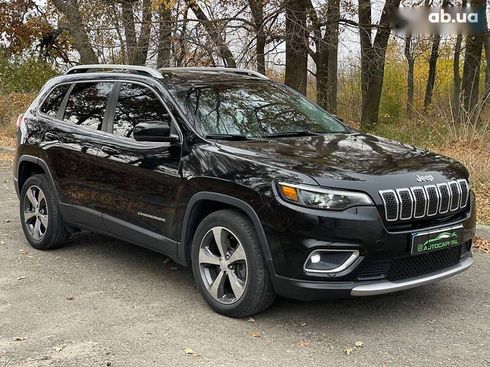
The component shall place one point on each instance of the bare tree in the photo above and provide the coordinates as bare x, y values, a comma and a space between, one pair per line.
434, 56
136, 47
409, 55
296, 45
373, 54
214, 32
325, 54
257, 9
164, 36
471, 69
71, 10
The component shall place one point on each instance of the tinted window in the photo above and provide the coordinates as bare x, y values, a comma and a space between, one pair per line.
136, 104
254, 110
87, 104
53, 102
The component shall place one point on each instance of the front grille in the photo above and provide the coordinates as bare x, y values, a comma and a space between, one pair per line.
411, 266
424, 201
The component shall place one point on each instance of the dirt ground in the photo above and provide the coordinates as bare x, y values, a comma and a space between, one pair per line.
102, 302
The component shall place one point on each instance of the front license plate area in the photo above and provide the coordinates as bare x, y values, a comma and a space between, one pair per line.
429, 241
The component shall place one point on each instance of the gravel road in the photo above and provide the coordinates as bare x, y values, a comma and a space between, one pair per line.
102, 302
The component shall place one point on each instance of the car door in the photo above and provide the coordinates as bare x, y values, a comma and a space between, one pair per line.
71, 144
140, 179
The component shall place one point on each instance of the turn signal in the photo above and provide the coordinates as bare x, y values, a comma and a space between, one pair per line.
289, 192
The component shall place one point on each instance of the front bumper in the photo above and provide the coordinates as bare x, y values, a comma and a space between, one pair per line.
385, 263
383, 287
316, 290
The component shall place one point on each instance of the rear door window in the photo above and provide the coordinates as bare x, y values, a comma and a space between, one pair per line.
53, 102
136, 104
87, 104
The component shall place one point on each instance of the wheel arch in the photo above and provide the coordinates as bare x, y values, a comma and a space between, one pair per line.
203, 203
28, 165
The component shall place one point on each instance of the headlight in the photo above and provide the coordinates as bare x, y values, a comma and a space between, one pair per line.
316, 197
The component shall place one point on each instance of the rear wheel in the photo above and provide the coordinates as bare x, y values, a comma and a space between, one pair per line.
40, 217
228, 265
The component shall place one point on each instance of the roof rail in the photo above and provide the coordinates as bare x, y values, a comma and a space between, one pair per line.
216, 69
95, 67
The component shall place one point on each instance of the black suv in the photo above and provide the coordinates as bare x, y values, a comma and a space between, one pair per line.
258, 189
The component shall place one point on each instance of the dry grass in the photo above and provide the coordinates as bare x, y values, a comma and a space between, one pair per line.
482, 244
7, 159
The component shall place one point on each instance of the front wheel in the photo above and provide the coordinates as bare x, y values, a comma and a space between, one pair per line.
228, 265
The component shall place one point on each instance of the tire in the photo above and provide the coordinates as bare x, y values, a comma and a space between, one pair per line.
244, 283
52, 232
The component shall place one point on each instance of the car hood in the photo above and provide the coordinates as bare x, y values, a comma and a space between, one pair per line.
353, 158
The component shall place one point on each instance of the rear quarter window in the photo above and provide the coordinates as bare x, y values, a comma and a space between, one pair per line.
52, 103
87, 104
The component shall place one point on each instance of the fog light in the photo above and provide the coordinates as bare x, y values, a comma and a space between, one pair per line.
330, 261
315, 258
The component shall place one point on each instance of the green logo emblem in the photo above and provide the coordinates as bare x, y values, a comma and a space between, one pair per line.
443, 240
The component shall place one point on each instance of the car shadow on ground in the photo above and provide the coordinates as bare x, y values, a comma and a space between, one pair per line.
426, 304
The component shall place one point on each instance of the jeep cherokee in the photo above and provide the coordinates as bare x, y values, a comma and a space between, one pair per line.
256, 188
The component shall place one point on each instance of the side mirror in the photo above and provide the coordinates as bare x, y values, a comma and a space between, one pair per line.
153, 131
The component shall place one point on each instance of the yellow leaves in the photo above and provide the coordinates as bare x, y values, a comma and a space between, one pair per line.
163, 4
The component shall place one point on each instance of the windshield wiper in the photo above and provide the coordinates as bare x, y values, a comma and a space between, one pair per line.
293, 133
227, 136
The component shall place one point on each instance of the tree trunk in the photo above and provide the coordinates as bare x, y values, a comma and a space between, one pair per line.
144, 38
257, 9
411, 63
296, 45
486, 44
456, 100
137, 49
434, 55
129, 30
214, 32
164, 37
373, 59
471, 68
332, 44
71, 11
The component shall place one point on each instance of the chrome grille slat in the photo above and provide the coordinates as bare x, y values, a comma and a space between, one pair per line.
433, 200
417, 202
391, 204
406, 203
445, 195
455, 195
420, 197
465, 191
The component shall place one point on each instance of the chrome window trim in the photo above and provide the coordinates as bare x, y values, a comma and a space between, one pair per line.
440, 194
426, 201
345, 265
398, 191
381, 192
428, 198
121, 80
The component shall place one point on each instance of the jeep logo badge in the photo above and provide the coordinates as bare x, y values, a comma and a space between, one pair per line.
425, 178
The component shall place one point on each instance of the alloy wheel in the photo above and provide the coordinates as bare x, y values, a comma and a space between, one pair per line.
223, 265
35, 212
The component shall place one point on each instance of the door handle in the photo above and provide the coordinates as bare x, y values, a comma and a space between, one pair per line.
109, 150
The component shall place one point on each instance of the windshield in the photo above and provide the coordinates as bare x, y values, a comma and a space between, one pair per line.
253, 111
